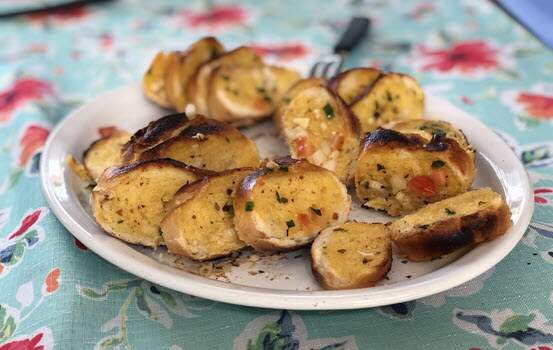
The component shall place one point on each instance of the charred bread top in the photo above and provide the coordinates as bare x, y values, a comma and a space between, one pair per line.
352, 84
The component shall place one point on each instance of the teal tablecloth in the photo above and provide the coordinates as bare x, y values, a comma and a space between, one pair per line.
54, 293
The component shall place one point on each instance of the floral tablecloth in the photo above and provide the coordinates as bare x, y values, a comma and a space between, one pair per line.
55, 293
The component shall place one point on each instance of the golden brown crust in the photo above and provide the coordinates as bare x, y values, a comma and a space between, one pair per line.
114, 172
104, 152
352, 84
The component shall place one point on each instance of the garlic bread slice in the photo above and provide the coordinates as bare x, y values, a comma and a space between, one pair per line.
208, 144
452, 224
399, 173
199, 224
153, 134
239, 95
182, 67
319, 127
353, 83
153, 82
104, 153
279, 80
391, 97
352, 255
289, 95
285, 204
198, 86
128, 201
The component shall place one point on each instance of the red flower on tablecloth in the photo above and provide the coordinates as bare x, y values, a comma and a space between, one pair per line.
22, 90
70, 14
28, 221
25, 344
32, 139
80, 245
51, 282
536, 105
542, 194
465, 57
281, 50
214, 17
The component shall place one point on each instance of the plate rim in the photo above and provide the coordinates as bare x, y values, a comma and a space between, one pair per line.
203, 287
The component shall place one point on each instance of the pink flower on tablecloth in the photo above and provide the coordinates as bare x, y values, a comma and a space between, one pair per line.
28, 221
281, 50
22, 90
536, 105
71, 14
33, 138
25, 344
466, 57
542, 194
214, 17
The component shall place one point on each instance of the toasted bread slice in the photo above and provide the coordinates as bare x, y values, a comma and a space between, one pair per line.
153, 82
391, 97
353, 255
399, 173
319, 127
454, 223
199, 224
287, 203
353, 83
182, 67
153, 134
128, 201
239, 94
208, 144
198, 87
430, 129
289, 95
279, 80
104, 153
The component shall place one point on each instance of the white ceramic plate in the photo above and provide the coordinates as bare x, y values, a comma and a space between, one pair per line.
277, 280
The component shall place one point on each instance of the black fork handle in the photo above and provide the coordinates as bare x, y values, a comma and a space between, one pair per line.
358, 28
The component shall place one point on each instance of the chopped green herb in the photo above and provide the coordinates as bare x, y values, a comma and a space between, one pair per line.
227, 139
281, 199
261, 89
437, 164
228, 208
249, 206
449, 211
286, 99
225, 77
316, 211
329, 111
290, 223
424, 227
380, 167
388, 96
366, 184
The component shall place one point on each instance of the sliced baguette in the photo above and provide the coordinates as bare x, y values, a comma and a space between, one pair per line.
353, 255
353, 83
279, 80
399, 173
182, 67
208, 144
319, 127
452, 224
153, 134
153, 82
391, 97
199, 223
128, 201
104, 153
198, 86
287, 203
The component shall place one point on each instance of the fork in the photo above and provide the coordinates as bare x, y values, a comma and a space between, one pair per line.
330, 65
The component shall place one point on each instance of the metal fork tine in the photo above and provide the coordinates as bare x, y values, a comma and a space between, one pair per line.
314, 68
326, 68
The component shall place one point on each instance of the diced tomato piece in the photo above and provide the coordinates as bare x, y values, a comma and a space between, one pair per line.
304, 220
337, 141
438, 177
422, 185
302, 146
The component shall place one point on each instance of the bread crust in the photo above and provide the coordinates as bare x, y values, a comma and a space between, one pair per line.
103, 153
352, 84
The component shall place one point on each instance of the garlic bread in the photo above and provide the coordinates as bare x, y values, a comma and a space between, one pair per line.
353, 83
452, 224
391, 97
199, 223
319, 127
104, 153
153, 134
128, 201
198, 86
399, 173
279, 80
285, 204
352, 255
153, 82
208, 144
182, 67
289, 95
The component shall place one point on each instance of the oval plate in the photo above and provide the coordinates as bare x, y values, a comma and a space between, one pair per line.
274, 280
